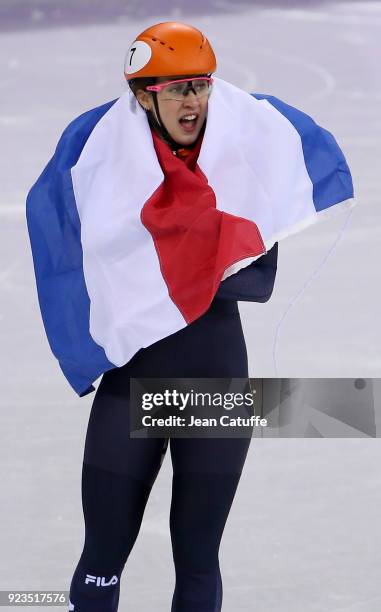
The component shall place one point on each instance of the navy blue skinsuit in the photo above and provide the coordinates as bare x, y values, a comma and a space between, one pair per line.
118, 472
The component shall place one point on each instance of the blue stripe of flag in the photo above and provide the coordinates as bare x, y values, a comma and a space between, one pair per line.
54, 232
325, 161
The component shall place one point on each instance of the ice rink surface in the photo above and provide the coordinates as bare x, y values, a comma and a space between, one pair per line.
304, 533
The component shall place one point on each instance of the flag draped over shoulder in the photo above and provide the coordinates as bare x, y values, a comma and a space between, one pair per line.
130, 243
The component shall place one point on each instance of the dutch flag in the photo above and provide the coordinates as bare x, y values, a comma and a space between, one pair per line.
117, 268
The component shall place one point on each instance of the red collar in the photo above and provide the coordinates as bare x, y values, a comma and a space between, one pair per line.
188, 155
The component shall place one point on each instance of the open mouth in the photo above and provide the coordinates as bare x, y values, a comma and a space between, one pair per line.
188, 122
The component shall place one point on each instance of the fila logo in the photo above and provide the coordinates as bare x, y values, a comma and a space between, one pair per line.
71, 606
100, 580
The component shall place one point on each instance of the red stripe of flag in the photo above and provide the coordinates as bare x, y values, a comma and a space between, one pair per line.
195, 241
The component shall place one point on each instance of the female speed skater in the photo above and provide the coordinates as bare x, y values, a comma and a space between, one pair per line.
158, 212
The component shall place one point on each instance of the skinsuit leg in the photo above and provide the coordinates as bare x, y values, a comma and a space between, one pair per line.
206, 473
117, 477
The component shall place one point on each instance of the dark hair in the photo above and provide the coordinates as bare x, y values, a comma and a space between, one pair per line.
141, 83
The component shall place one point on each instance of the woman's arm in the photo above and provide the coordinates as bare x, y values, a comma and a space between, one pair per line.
254, 283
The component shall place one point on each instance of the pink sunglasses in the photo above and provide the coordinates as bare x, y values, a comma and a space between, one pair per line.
163, 85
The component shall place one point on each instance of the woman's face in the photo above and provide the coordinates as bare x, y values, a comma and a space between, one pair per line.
172, 112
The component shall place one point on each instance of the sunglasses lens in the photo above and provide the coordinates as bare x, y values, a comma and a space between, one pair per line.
177, 91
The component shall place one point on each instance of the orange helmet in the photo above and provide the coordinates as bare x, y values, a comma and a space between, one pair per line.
169, 49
